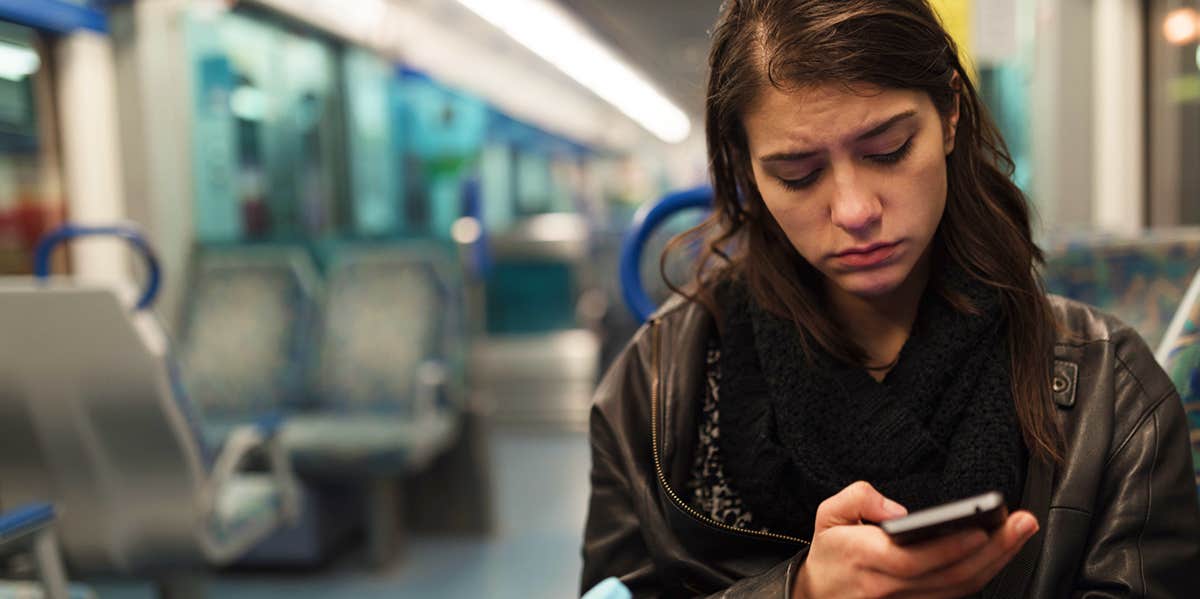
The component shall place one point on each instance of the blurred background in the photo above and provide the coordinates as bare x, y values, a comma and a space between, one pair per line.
394, 226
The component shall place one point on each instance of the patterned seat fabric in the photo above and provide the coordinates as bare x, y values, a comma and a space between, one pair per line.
1180, 357
384, 318
1140, 280
247, 332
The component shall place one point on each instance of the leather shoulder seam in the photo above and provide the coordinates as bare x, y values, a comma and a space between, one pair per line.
1143, 418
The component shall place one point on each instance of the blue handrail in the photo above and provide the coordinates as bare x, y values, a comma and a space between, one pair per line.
649, 218
45, 247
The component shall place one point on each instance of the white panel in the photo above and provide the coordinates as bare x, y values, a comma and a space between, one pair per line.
87, 109
994, 24
1118, 116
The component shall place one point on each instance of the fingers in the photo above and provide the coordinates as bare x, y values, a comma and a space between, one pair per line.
919, 560
974, 571
857, 502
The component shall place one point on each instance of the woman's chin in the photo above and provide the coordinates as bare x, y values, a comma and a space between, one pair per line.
869, 285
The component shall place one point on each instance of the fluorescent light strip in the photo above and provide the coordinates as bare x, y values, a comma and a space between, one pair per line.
557, 37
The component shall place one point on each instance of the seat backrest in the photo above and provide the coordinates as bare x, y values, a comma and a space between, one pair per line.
88, 419
245, 344
387, 311
1139, 280
1179, 355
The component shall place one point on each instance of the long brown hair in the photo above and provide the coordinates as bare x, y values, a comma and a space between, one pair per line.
893, 44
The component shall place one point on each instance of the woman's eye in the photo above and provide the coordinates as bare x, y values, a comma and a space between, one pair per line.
893, 157
798, 184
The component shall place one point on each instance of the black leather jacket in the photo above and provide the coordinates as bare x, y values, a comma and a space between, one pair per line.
1120, 518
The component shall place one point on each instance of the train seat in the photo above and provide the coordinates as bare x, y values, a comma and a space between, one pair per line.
1179, 354
90, 418
1139, 279
247, 333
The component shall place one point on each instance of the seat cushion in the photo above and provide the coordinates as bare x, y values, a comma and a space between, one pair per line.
331, 444
23, 589
247, 505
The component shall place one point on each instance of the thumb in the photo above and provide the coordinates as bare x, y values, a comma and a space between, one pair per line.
857, 503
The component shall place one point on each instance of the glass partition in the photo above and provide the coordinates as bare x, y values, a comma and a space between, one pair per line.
31, 195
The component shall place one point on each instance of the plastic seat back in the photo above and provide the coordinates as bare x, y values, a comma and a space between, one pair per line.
88, 419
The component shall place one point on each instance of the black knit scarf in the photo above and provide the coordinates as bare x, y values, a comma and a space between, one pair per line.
940, 427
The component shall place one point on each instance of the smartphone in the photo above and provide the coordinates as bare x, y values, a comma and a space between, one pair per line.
986, 511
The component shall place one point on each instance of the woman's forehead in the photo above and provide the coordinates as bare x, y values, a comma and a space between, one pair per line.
822, 115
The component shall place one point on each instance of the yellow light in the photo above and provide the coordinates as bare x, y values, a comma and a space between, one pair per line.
466, 230
1182, 26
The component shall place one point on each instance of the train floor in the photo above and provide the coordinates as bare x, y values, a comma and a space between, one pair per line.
541, 485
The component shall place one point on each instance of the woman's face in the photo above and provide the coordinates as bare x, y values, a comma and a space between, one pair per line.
855, 178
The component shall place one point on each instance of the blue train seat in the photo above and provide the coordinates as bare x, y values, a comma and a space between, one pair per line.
248, 331
389, 377
92, 419
1139, 279
1179, 354
387, 352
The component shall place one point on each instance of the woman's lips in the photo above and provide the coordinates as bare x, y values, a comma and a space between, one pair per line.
873, 256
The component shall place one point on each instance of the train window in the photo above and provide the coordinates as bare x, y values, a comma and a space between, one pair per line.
31, 197
1173, 40
267, 130
375, 171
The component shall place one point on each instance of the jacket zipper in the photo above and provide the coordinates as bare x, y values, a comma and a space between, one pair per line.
658, 467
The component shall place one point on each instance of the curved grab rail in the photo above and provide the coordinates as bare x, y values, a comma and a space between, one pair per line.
649, 218
67, 232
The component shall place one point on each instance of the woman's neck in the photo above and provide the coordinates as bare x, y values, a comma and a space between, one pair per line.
881, 325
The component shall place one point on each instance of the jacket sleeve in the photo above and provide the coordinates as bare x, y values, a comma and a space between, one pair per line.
613, 544
612, 539
1146, 537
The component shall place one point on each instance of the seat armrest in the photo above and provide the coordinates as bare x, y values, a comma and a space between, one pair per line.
30, 527
19, 524
432, 380
243, 441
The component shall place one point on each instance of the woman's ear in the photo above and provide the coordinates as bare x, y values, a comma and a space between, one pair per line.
950, 120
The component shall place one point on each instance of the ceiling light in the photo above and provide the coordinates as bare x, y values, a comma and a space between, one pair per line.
561, 40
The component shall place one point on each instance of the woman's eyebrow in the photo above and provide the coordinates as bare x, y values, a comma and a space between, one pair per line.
874, 131
883, 127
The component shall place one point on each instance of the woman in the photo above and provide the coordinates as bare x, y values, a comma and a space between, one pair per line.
867, 335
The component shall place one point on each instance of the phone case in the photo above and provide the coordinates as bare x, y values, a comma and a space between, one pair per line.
986, 511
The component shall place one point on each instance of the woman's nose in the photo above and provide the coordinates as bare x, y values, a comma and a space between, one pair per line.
854, 207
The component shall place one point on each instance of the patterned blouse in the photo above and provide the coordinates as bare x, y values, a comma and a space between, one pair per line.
711, 493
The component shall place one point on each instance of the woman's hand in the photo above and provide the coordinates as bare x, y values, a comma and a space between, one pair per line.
851, 559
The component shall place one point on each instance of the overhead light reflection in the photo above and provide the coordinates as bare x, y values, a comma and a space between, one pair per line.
17, 62
559, 39
248, 103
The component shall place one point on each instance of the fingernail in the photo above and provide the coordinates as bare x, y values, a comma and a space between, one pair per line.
894, 509
1026, 526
